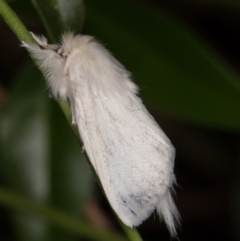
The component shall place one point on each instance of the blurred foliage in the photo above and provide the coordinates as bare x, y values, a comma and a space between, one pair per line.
60, 15
41, 157
178, 74
176, 71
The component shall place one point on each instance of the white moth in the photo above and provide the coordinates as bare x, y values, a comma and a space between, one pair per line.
130, 153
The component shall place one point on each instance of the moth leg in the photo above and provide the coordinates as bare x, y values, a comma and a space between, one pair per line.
83, 148
73, 121
73, 113
42, 41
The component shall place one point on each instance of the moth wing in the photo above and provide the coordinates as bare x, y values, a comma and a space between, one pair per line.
130, 153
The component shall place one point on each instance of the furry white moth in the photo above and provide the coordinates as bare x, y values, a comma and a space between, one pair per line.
130, 153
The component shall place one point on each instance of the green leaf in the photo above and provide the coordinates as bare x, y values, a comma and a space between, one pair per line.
56, 217
177, 72
41, 157
60, 15
24, 148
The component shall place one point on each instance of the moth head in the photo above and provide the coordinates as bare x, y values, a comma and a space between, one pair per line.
66, 44
62, 52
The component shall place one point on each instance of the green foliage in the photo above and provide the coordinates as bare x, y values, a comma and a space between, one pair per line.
176, 71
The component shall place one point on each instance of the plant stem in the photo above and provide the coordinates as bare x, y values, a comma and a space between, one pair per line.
58, 218
131, 233
14, 23
23, 35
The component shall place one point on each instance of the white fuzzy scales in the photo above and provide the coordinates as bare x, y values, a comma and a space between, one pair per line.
132, 156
